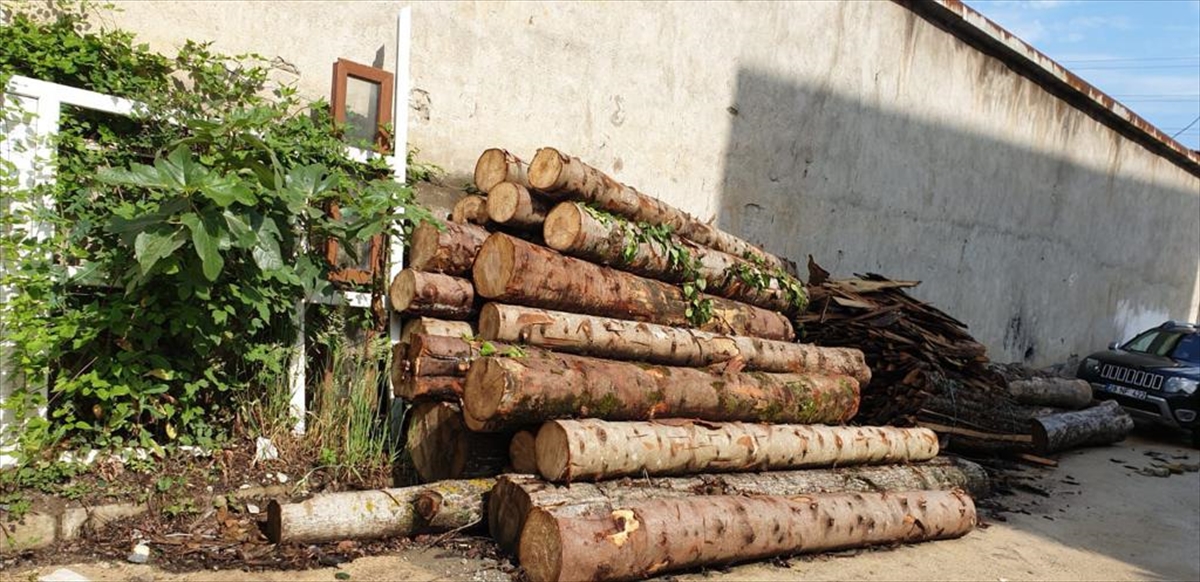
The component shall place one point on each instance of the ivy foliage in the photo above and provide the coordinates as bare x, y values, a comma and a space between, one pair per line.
165, 290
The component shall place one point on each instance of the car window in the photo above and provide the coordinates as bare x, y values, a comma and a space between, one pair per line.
1154, 342
1188, 349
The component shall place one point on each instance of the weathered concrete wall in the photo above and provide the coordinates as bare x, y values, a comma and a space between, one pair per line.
855, 132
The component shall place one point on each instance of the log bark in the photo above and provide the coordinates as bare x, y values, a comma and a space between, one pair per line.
432, 294
648, 537
449, 250
433, 326
1057, 392
509, 269
571, 229
507, 392
512, 205
447, 508
470, 210
620, 339
567, 177
441, 446
514, 496
1102, 424
413, 388
522, 452
590, 449
362, 514
434, 355
496, 166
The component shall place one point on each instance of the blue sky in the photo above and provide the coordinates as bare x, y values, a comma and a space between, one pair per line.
1143, 53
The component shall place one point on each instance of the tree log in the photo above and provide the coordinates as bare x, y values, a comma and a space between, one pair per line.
412, 388
362, 514
441, 446
432, 294
509, 269
512, 205
514, 496
522, 452
495, 166
450, 250
507, 392
619, 339
1057, 392
432, 326
434, 355
590, 449
470, 209
1102, 424
644, 538
573, 230
447, 508
564, 177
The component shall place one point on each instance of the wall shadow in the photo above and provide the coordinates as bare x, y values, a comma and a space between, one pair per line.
1033, 251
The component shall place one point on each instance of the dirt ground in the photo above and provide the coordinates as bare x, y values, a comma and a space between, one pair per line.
1101, 521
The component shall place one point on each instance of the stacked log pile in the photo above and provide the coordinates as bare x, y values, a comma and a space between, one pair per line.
928, 371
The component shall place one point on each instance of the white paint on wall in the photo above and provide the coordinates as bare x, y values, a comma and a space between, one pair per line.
1132, 318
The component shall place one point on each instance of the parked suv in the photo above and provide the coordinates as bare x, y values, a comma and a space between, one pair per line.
1153, 376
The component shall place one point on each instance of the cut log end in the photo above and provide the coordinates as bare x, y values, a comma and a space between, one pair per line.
274, 521
428, 504
563, 226
487, 382
489, 321
423, 247
493, 266
545, 172
541, 547
491, 169
522, 452
552, 451
403, 290
470, 210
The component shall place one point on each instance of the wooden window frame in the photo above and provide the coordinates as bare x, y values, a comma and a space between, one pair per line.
343, 70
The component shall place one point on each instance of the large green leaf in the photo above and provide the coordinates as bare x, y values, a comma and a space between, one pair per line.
226, 190
205, 237
151, 247
266, 251
239, 227
129, 227
136, 175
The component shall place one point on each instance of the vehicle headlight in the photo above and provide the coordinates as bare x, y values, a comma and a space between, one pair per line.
1091, 365
1179, 385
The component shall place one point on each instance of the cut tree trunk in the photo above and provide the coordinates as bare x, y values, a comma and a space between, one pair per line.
449, 250
644, 538
507, 392
1102, 424
1057, 392
446, 509
514, 496
565, 177
360, 515
496, 166
441, 446
432, 326
512, 205
509, 269
590, 449
432, 294
471, 209
412, 388
435, 355
620, 339
612, 241
522, 452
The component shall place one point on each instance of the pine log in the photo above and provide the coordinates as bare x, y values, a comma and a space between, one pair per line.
1057, 392
470, 210
507, 392
1102, 424
566, 177
447, 508
433, 294
645, 538
435, 355
449, 250
522, 452
432, 326
572, 229
496, 166
441, 446
362, 514
412, 388
590, 449
514, 496
620, 339
512, 205
509, 269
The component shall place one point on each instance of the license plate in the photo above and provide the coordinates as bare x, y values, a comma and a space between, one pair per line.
1123, 391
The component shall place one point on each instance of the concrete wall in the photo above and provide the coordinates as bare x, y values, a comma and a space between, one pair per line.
856, 132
